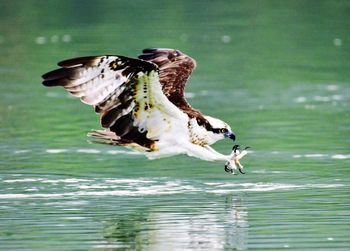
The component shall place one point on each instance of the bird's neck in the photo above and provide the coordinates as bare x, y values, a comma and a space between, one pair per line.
200, 133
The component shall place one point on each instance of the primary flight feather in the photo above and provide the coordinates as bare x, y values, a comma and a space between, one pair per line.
142, 104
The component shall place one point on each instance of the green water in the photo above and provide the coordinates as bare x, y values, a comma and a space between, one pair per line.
276, 71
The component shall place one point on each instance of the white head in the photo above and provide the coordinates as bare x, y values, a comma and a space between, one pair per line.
220, 129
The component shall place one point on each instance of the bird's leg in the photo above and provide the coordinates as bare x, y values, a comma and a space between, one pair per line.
206, 153
234, 162
230, 167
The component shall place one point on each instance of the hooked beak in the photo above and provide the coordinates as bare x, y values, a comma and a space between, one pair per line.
230, 135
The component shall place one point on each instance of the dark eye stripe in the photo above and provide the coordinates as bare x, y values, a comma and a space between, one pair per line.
219, 130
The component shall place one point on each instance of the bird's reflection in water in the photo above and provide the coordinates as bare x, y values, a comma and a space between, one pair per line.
216, 226
237, 219
127, 231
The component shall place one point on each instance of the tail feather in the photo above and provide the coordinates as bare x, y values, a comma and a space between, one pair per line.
105, 137
110, 138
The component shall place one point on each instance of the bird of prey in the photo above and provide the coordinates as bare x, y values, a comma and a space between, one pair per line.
142, 104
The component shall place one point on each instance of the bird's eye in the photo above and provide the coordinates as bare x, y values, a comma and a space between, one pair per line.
223, 130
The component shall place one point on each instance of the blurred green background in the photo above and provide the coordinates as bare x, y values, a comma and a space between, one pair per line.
276, 71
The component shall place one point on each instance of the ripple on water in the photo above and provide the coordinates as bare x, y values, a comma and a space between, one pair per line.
40, 187
341, 156
81, 150
322, 155
126, 152
56, 150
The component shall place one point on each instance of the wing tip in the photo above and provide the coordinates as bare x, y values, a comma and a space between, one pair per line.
49, 83
154, 53
154, 49
50, 78
58, 76
79, 61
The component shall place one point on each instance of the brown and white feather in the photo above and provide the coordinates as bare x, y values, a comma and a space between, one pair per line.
141, 102
175, 69
125, 91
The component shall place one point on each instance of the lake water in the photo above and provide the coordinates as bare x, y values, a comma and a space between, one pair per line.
276, 71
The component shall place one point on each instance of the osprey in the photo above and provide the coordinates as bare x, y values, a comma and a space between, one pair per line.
142, 104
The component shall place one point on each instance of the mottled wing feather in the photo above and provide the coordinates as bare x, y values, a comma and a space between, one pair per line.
125, 91
175, 68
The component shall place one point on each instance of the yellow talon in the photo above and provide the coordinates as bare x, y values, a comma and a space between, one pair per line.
236, 156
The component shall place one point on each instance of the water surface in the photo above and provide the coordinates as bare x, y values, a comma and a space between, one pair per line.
277, 72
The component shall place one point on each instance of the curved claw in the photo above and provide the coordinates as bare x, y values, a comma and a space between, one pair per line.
248, 147
228, 169
235, 148
240, 170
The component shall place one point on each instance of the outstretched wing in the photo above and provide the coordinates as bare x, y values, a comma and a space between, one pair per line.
175, 68
125, 91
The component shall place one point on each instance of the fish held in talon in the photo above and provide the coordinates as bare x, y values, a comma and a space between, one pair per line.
142, 104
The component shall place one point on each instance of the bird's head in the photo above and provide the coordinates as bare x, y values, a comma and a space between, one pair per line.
220, 129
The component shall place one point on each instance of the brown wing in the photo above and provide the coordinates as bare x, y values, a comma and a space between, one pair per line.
126, 92
175, 68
